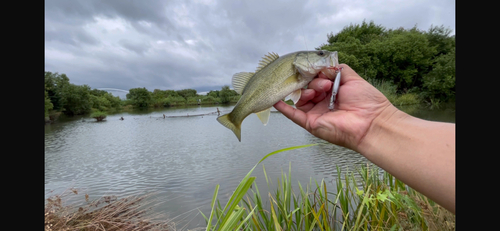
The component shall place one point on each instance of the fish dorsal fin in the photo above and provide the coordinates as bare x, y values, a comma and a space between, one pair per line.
264, 116
240, 80
266, 60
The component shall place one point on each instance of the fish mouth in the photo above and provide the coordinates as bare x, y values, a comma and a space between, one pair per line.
330, 67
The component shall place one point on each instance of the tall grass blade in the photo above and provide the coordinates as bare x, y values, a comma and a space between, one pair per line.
212, 205
241, 190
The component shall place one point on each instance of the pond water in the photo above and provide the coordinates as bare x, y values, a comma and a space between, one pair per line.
182, 158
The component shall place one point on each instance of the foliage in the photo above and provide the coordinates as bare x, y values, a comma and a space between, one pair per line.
76, 100
98, 115
439, 83
186, 93
100, 103
168, 98
214, 94
140, 97
411, 59
226, 94
114, 101
374, 200
193, 100
61, 95
48, 105
54, 83
389, 90
209, 99
106, 213
174, 101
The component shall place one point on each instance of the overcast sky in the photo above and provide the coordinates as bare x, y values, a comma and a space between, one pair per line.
200, 44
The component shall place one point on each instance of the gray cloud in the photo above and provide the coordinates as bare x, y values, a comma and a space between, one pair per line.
200, 44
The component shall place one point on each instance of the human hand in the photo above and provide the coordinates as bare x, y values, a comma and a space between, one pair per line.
358, 104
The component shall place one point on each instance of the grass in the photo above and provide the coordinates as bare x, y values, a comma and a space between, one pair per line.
389, 90
107, 213
370, 201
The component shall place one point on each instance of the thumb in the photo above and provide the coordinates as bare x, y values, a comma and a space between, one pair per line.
348, 74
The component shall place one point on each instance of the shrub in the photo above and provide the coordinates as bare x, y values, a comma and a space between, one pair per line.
98, 115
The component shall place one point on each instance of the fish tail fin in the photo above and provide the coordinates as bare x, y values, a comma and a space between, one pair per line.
228, 123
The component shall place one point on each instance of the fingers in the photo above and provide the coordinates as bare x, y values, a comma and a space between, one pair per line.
297, 116
320, 85
305, 96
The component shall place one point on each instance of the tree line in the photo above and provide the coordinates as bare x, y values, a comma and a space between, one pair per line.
415, 61
63, 96
70, 99
141, 97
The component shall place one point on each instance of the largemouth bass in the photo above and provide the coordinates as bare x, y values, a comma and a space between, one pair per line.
274, 79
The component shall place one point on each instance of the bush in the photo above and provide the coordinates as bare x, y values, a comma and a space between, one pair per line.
193, 100
98, 115
406, 99
175, 101
208, 99
390, 91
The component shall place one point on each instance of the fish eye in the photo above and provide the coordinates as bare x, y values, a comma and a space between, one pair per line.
321, 53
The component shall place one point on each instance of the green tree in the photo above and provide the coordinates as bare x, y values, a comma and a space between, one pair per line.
364, 33
98, 93
54, 84
48, 104
158, 97
209, 99
226, 94
409, 58
100, 102
214, 94
140, 97
439, 83
76, 99
439, 37
115, 101
186, 93
171, 93
405, 56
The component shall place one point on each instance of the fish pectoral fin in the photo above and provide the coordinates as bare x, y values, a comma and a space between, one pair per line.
264, 116
294, 96
240, 80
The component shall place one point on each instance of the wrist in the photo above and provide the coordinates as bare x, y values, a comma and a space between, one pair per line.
381, 128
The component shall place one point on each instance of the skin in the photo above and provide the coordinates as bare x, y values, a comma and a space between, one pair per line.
418, 152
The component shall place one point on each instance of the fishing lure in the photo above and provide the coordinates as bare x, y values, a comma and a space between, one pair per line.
335, 90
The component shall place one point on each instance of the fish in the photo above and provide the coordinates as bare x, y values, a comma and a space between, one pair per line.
275, 78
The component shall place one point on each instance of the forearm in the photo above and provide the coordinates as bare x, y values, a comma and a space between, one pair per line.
418, 152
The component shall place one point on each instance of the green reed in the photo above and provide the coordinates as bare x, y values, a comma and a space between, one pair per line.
370, 200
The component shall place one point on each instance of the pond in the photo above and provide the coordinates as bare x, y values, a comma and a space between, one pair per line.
182, 158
